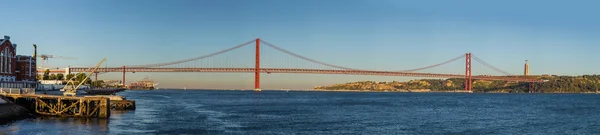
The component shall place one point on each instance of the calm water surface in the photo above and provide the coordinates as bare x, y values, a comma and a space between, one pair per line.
275, 112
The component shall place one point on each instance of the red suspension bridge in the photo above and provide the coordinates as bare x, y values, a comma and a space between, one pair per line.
193, 65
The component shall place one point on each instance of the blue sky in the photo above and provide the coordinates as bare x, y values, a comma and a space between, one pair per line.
558, 37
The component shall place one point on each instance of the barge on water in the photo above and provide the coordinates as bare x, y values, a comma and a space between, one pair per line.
103, 91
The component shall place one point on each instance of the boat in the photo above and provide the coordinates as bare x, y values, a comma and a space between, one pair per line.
103, 91
83, 87
110, 97
77, 89
144, 84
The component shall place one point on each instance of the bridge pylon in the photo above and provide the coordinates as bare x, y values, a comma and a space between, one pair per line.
257, 67
468, 75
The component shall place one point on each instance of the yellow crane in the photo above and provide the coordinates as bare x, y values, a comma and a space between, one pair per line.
71, 89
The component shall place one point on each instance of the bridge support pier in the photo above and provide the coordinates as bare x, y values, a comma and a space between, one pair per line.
123, 76
257, 67
532, 87
468, 75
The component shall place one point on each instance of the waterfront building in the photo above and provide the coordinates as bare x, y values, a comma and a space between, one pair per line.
16, 71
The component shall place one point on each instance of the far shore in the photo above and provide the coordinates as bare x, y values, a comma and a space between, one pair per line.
399, 91
455, 91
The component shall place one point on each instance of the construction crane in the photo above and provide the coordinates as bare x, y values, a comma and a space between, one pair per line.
46, 56
71, 88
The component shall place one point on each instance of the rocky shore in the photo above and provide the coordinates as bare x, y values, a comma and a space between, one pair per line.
10, 112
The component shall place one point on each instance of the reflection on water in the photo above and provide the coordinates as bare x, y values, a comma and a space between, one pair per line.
98, 124
10, 129
48, 125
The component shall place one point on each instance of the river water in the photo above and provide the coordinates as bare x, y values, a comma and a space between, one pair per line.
294, 112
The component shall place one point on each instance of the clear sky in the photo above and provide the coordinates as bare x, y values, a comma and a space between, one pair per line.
557, 37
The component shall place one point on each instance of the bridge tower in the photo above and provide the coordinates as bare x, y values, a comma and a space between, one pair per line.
526, 68
257, 67
468, 75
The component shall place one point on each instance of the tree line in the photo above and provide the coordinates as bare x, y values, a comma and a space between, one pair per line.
77, 78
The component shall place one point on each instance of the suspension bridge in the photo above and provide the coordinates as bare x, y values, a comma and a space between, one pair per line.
203, 64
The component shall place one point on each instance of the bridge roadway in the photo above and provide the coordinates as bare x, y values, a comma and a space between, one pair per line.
302, 71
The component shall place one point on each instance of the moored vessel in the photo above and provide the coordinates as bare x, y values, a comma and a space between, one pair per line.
103, 91
144, 84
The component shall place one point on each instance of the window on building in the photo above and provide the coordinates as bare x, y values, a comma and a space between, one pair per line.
9, 62
2, 61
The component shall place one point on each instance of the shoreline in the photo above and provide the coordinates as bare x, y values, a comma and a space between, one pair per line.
455, 91
11, 112
387, 91
404, 91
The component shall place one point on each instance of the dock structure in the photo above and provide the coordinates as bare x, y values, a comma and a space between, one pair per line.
62, 106
122, 105
118, 102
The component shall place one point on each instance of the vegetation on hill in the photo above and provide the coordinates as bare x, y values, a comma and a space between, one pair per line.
586, 83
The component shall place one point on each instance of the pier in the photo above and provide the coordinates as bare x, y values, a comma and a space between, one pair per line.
66, 106
118, 102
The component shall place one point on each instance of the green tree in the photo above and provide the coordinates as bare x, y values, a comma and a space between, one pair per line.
60, 76
46, 74
69, 76
98, 83
82, 77
79, 77
52, 77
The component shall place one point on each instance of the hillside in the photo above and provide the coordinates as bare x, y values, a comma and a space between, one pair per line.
554, 84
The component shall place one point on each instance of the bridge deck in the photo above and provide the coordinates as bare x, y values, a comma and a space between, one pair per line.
303, 71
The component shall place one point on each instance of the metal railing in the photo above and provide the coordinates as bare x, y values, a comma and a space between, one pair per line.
17, 91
